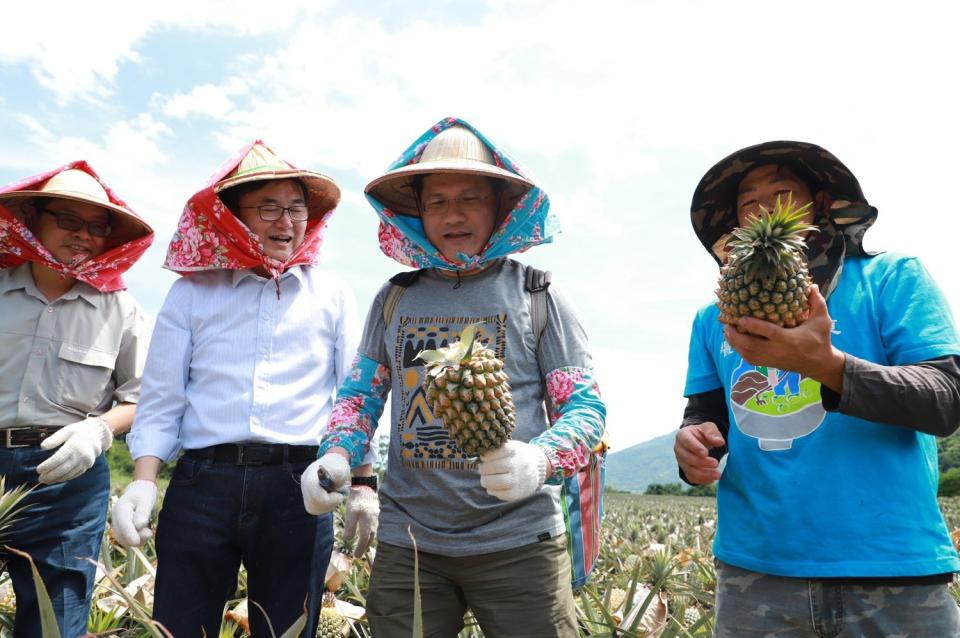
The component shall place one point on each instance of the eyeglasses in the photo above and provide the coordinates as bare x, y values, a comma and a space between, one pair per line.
273, 212
468, 203
66, 221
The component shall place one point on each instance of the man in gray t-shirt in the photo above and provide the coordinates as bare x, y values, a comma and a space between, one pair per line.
489, 530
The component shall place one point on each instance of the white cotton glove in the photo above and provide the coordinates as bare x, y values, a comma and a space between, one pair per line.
363, 518
513, 471
131, 515
80, 444
316, 499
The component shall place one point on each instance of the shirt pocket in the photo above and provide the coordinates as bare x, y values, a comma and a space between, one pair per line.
84, 375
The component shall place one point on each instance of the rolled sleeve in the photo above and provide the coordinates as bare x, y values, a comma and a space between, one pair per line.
156, 427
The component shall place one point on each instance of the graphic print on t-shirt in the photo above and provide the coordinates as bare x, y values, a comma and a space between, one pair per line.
424, 443
774, 406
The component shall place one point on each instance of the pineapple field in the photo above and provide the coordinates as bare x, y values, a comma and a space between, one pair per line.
655, 577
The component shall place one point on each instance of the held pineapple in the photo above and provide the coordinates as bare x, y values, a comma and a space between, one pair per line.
332, 623
467, 388
766, 274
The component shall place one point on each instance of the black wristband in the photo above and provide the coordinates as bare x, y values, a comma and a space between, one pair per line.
369, 481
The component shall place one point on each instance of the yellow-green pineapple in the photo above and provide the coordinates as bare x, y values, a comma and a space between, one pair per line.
332, 623
765, 275
467, 389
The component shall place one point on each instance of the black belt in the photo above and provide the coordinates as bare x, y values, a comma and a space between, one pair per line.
255, 453
27, 436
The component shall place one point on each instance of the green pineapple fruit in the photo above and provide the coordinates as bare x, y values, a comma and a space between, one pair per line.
766, 273
467, 389
332, 623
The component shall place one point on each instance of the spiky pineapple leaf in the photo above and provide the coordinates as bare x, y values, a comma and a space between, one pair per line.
453, 354
48, 619
430, 356
417, 601
771, 241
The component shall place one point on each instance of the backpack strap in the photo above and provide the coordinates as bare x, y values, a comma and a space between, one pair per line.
536, 283
398, 285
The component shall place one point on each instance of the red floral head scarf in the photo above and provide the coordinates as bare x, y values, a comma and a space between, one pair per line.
210, 237
129, 239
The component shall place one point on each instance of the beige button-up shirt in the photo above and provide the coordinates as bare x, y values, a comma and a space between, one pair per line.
63, 361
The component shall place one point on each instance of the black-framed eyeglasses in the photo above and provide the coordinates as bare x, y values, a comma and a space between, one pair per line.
469, 203
273, 212
68, 221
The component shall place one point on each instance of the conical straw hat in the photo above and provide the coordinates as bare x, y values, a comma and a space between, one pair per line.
77, 185
454, 150
261, 163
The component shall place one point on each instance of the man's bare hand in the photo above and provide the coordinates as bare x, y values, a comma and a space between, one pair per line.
692, 449
806, 349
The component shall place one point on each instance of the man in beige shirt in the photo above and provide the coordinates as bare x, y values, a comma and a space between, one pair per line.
73, 343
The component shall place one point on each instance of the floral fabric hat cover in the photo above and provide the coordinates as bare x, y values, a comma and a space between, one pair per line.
129, 238
209, 236
454, 146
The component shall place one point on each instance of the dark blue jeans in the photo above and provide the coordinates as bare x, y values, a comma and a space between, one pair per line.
61, 529
216, 515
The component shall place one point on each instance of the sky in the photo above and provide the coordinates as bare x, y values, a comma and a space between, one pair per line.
615, 108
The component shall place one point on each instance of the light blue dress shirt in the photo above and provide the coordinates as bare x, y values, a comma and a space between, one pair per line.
232, 361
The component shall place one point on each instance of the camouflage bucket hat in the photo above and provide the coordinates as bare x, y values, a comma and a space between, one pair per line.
713, 211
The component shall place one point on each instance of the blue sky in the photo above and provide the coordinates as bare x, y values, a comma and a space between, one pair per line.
615, 107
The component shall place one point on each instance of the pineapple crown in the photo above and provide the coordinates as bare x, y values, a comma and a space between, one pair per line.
772, 240
452, 355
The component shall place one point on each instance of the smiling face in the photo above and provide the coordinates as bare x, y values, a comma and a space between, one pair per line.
281, 237
762, 186
458, 212
69, 246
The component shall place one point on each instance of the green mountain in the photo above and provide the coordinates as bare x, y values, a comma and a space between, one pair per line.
636, 467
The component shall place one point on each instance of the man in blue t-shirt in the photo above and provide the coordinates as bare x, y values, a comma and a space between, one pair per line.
828, 519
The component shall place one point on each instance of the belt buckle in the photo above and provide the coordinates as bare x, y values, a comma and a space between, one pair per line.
8, 442
252, 454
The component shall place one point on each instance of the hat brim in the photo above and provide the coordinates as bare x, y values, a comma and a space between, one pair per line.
713, 210
126, 226
394, 189
323, 194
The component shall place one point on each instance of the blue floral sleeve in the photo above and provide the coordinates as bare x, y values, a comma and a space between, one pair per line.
358, 407
577, 417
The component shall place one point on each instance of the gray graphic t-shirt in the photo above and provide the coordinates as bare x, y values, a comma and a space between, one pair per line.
430, 484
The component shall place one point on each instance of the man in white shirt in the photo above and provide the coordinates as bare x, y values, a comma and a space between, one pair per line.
244, 365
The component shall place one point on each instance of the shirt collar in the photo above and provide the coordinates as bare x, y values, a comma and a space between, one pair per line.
18, 277
239, 275
84, 291
21, 277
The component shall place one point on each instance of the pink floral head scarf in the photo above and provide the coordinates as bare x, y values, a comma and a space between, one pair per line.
210, 237
105, 271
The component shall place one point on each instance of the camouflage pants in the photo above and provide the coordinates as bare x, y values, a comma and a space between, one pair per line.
752, 605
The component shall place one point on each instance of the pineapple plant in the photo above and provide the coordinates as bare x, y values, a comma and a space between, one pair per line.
332, 623
765, 275
467, 388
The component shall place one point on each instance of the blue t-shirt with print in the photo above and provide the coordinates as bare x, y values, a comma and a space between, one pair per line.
810, 493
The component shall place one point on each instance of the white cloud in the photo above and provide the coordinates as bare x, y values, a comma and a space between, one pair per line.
208, 100
643, 393
78, 48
